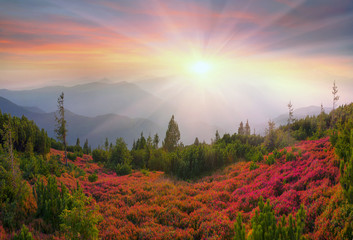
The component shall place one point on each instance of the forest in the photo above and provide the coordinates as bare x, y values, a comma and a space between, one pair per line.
296, 182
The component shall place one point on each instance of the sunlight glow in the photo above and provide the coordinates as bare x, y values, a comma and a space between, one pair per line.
201, 67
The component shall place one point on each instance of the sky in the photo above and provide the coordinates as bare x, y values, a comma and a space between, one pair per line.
258, 54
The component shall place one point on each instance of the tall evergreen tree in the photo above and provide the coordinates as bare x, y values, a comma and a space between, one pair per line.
85, 147
106, 144
247, 128
61, 129
241, 129
217, 137
172, 136
335, 96
271, 138
8, 143
155, 141
196, 142
290, 112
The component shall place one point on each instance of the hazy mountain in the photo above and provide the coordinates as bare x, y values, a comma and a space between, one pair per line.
91, 99
300, 113
95, 129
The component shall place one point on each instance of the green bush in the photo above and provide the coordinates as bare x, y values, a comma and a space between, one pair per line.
145, 172
270, 159
123, 169
93, 177
99, 155
24, 234
290, 157
253, 166
71, 156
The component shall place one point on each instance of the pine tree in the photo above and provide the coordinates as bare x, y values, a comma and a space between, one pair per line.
196, 142
85, 147
271, 138
106, 144
335, 96
239, 228
172, 136
155, 141
247, 128
61, 129
241, 129
217, 137
8, 143
290, 112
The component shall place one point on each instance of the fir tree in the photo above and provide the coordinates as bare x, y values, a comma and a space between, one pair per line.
155, 141
61, 129
247, 128
290, 112
335, 96
241, 129
172, 136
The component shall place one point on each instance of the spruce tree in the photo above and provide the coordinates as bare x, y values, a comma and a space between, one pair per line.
61, 129
290, 112
85, 147
217, 137
155, 141
241, 129
172, 136
335, 96
247, 128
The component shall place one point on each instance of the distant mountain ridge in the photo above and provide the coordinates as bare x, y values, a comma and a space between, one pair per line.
90, 99
95, 129
105, 109
299, 114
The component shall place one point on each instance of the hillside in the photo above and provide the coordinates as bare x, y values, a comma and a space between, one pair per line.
153, 206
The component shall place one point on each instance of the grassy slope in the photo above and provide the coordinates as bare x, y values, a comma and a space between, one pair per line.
156, 207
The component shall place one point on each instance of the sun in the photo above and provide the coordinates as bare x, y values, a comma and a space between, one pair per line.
201, 67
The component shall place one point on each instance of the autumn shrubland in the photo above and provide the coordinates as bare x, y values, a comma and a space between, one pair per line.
294, 183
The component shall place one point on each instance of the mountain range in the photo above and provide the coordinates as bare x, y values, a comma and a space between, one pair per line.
100, 109
95, 129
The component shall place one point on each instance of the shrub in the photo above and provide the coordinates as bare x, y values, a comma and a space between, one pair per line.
99, 155
71, 156
290, 157
145, 172
123, 169
253, 166
24, 234
93, 177
270, 159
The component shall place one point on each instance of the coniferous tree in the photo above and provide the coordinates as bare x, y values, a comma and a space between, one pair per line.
196, 142
290, 112
335, 96
61, 129
217, 136
8, 143
172, 136
247, 128
85, 147
106, 144
271, 138
241, 129
78, 147
239, 228
155, 141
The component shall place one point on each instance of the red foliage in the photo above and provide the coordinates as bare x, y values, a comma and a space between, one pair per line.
137, 206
